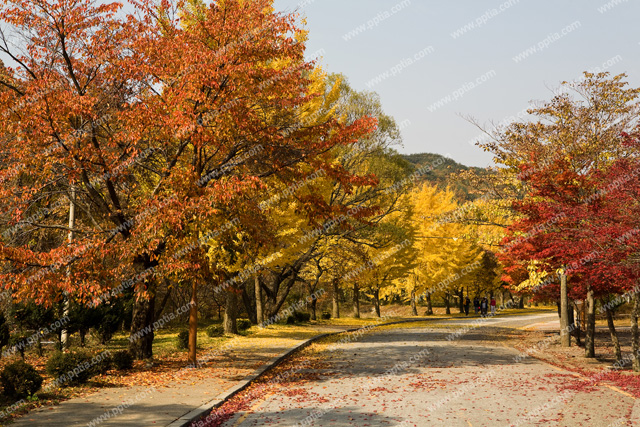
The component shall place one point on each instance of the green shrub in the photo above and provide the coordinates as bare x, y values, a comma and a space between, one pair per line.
122, 360
102, 363
326, 315
18, 343
19, 379
215, 331
70, 368
291, 320
302, 316
243, 324
183, 340
5, 335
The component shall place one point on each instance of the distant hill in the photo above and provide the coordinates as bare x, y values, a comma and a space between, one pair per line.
445, 174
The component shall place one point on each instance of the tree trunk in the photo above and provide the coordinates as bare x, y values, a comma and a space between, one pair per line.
446, 303
83, 334
414, 308
314, 305
231, 312
163, 303
141, 339
356, 301
614, 335
572, 318
578, 323
461, 302
247, 297
565, 336
521, 302
193, 324
259, 308
635, 336
429, 306
376, 301
589, 345
336, 299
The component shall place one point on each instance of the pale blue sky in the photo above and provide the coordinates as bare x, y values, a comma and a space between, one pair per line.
487, 50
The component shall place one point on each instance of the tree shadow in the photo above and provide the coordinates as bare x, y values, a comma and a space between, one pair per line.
76, 413
322, 416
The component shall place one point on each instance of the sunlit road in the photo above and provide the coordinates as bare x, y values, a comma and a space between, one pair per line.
502, 321
415, 377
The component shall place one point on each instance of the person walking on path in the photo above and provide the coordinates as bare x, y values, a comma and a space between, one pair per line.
493, 306
484, 306
476, 304
467, 303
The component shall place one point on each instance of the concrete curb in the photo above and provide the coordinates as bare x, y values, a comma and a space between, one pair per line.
208, 407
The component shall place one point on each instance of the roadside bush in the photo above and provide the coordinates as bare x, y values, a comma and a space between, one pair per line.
19, 379
122, 360
103, 364
243, 324
326, 315
5, 335
70, 368
215, 331
291, 320
18, 344
183, 340
302, 316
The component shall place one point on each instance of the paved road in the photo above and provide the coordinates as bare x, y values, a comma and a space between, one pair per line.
525, 321
415, 377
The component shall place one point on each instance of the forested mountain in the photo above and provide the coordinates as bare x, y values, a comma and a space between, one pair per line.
445, 173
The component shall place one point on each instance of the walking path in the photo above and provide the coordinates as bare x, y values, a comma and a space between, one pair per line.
162, 404
554, 326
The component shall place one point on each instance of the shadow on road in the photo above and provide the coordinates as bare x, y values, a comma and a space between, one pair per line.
323, 416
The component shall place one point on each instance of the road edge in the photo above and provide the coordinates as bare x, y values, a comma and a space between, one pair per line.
208, 407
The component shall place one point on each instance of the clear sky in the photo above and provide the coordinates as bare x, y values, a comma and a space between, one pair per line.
513, 52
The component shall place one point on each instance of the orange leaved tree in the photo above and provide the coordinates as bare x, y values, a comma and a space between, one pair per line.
128, 138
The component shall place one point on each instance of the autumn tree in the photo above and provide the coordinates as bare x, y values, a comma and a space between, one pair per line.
156, 133
446, 257
564, 161
350, 210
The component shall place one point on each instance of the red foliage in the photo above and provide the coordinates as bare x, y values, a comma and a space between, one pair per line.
586, 220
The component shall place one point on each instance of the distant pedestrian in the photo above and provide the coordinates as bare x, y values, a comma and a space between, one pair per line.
493, 305
484, 305
467, 303
476, 304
